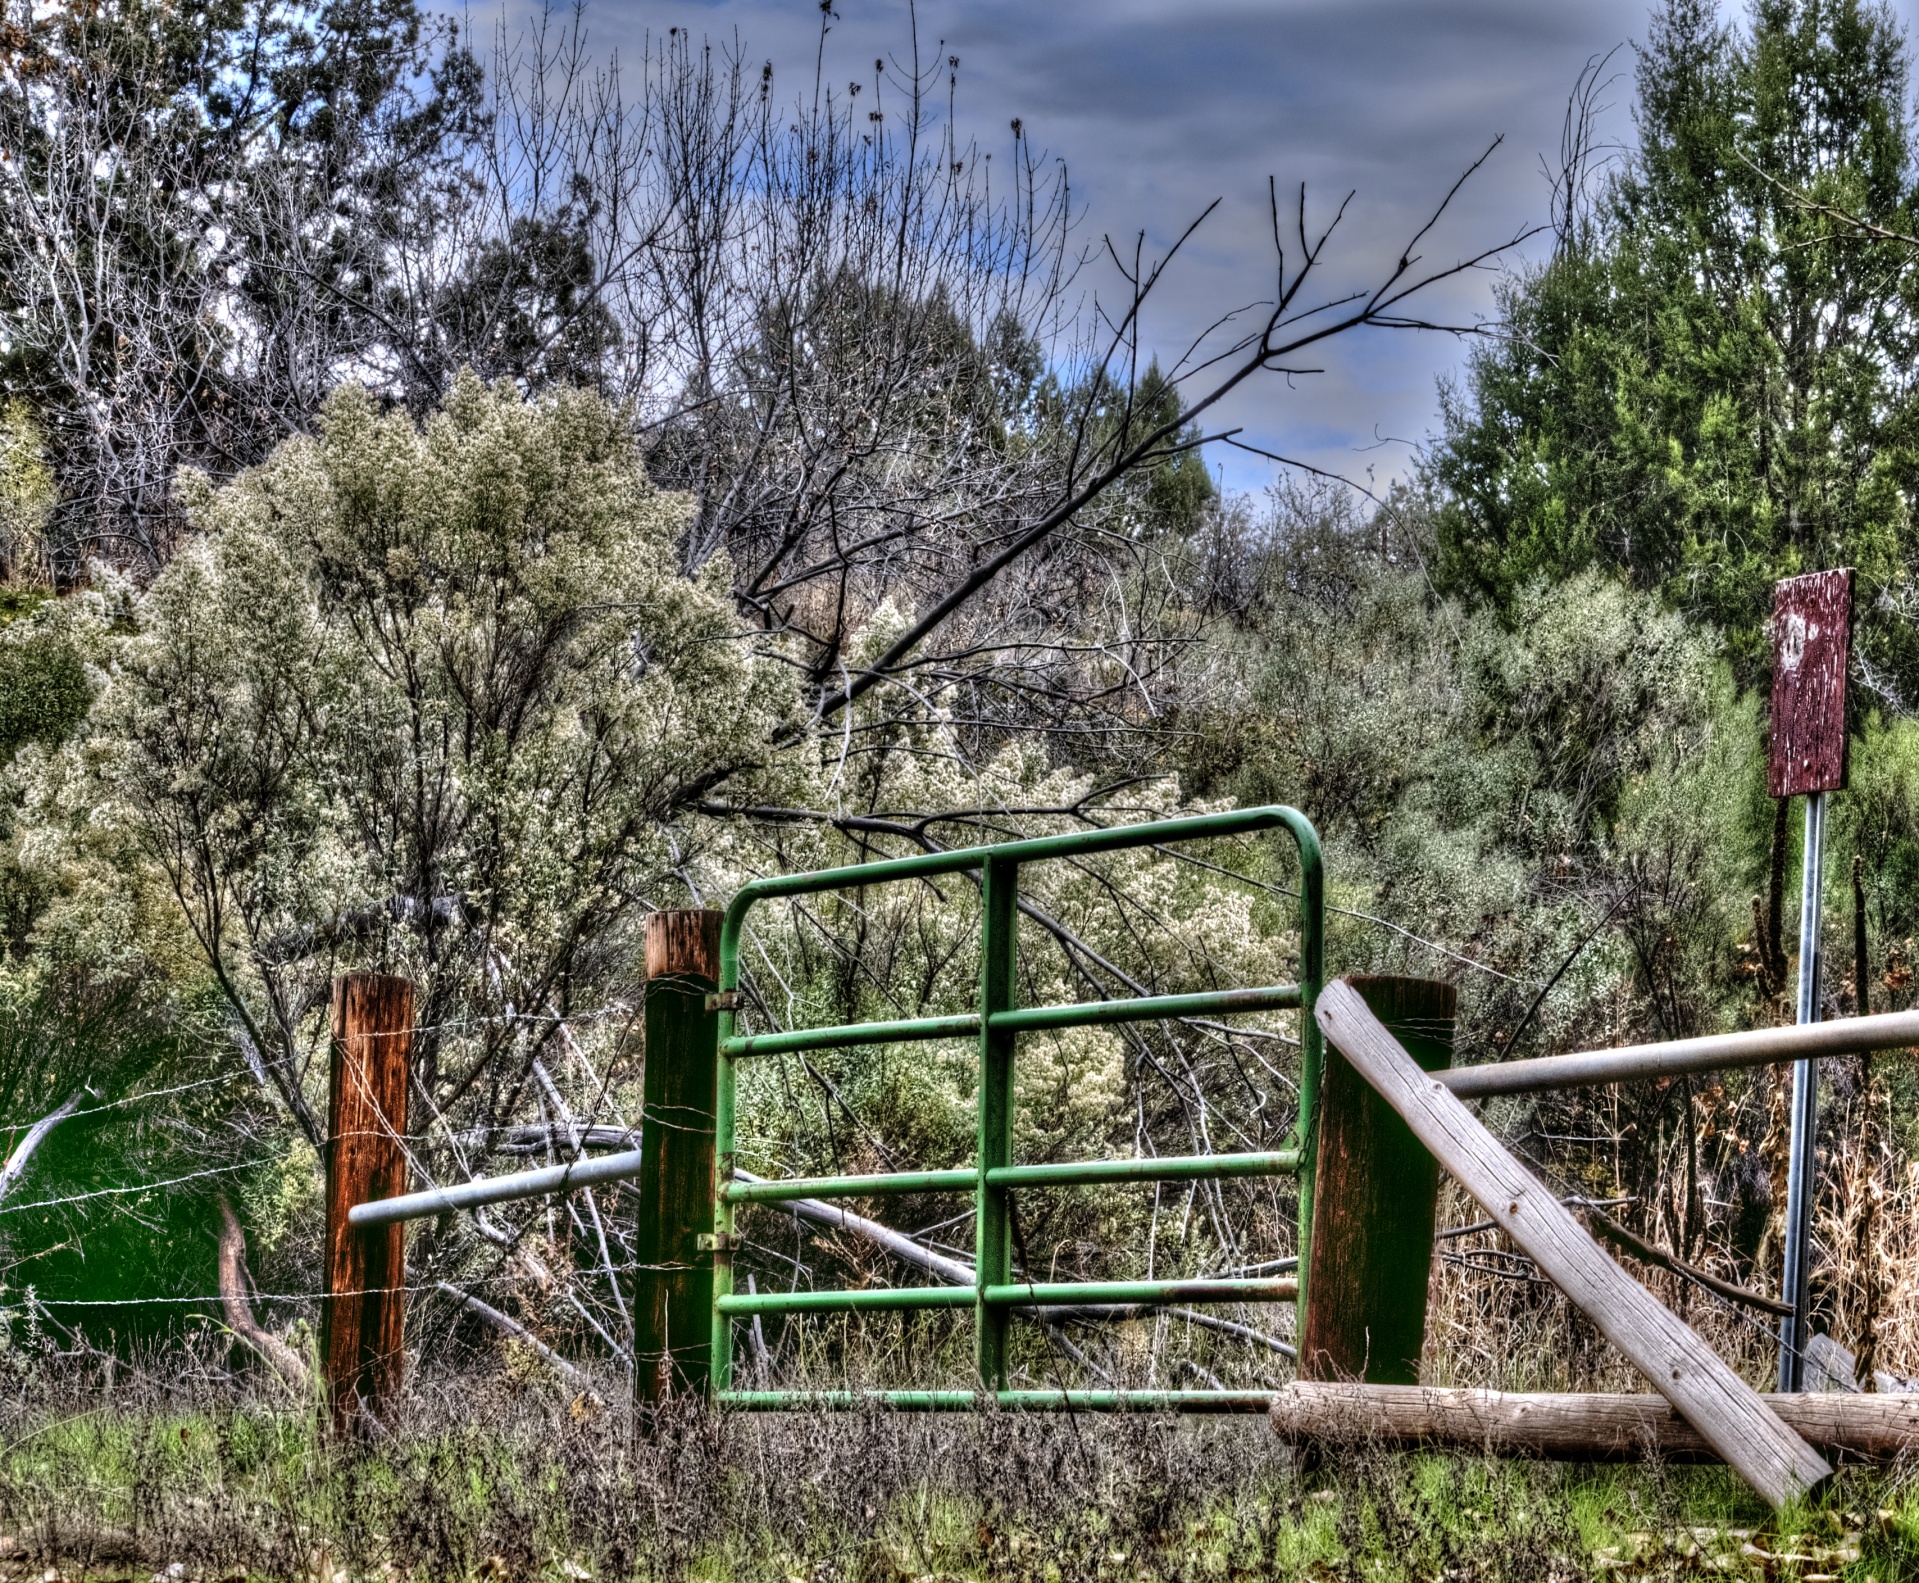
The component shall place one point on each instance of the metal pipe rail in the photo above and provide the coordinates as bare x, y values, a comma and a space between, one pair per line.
997, 1026
497, 1189
1714, 1052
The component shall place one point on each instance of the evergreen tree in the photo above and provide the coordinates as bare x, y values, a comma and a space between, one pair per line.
1712, 388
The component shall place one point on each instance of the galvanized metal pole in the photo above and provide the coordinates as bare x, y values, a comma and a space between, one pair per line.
1796, 1330
1713, 1052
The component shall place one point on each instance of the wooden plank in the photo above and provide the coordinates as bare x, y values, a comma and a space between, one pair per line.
1811, 650
673, 1289
1571, 1427
1373, 1212
1727, 1412
363, 1319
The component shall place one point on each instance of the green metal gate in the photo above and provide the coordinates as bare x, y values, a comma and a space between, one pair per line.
998, 1025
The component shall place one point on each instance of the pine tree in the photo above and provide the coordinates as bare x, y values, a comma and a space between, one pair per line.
1712, 388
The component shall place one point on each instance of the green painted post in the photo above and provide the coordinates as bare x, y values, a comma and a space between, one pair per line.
1312, 978
999, 960
1372, 1242
673, 1243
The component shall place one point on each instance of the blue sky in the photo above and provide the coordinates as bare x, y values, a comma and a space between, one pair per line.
1160, 107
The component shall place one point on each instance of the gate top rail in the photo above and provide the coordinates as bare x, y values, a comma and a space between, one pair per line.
1035, 849
996, 1025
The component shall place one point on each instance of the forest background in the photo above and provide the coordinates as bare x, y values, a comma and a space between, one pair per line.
456, 499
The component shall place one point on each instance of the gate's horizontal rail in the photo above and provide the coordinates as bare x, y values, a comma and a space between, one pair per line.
1025, 1401
1154, 1168
885, 1298
1025, 1019
1716, 1052
846, 1035
1065, 1173
1044, 1294
962, 1180
1081, 1294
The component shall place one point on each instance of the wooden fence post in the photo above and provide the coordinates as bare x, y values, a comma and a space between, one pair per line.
1729, 1415
673, 1290
363, 1320
1377, 1194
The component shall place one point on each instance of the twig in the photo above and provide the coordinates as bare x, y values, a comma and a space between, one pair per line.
1617, 1234
519, 1332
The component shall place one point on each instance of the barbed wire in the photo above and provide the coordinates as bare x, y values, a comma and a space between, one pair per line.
138, 1187
498, 1278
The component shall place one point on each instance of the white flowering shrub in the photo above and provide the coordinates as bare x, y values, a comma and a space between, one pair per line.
417, 697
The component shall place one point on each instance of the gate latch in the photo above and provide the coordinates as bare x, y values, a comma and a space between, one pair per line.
723, 1000
718, 1241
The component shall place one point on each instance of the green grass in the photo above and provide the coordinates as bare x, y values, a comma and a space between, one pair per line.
479, 1483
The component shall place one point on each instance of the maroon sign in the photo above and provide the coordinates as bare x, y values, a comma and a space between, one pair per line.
1811, 647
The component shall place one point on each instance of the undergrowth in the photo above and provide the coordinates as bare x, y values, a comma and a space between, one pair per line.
163, 1478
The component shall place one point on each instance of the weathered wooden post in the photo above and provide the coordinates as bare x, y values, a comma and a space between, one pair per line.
1378, 1191
363, 1320
673, 1240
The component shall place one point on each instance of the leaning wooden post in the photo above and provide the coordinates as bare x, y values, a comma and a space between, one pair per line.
1726, 1411
1378, 1191
673, 1240
363, 1320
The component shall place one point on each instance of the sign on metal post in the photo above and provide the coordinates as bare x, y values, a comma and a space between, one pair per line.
1811, 651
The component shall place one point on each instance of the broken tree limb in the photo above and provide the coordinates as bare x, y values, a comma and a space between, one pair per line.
1727, 1412
538, 1137
1569, 1427
362, 923
571, 1373
957, 1272
1639, 1248
239, 1311
954, 1272
23, 1152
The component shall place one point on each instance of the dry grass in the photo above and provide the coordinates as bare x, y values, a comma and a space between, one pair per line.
487, 1477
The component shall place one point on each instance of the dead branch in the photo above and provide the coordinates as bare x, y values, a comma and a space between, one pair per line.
239, 1311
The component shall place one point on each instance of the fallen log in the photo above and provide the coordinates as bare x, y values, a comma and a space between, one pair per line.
1571, 1428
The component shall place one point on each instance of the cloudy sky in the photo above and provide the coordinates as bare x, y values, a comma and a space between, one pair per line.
1159, 106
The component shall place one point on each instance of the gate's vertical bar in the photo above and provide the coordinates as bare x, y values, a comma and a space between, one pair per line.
999, 961
1312, 978
673, 1243
1796, 1331
363, 1319
720, 1376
